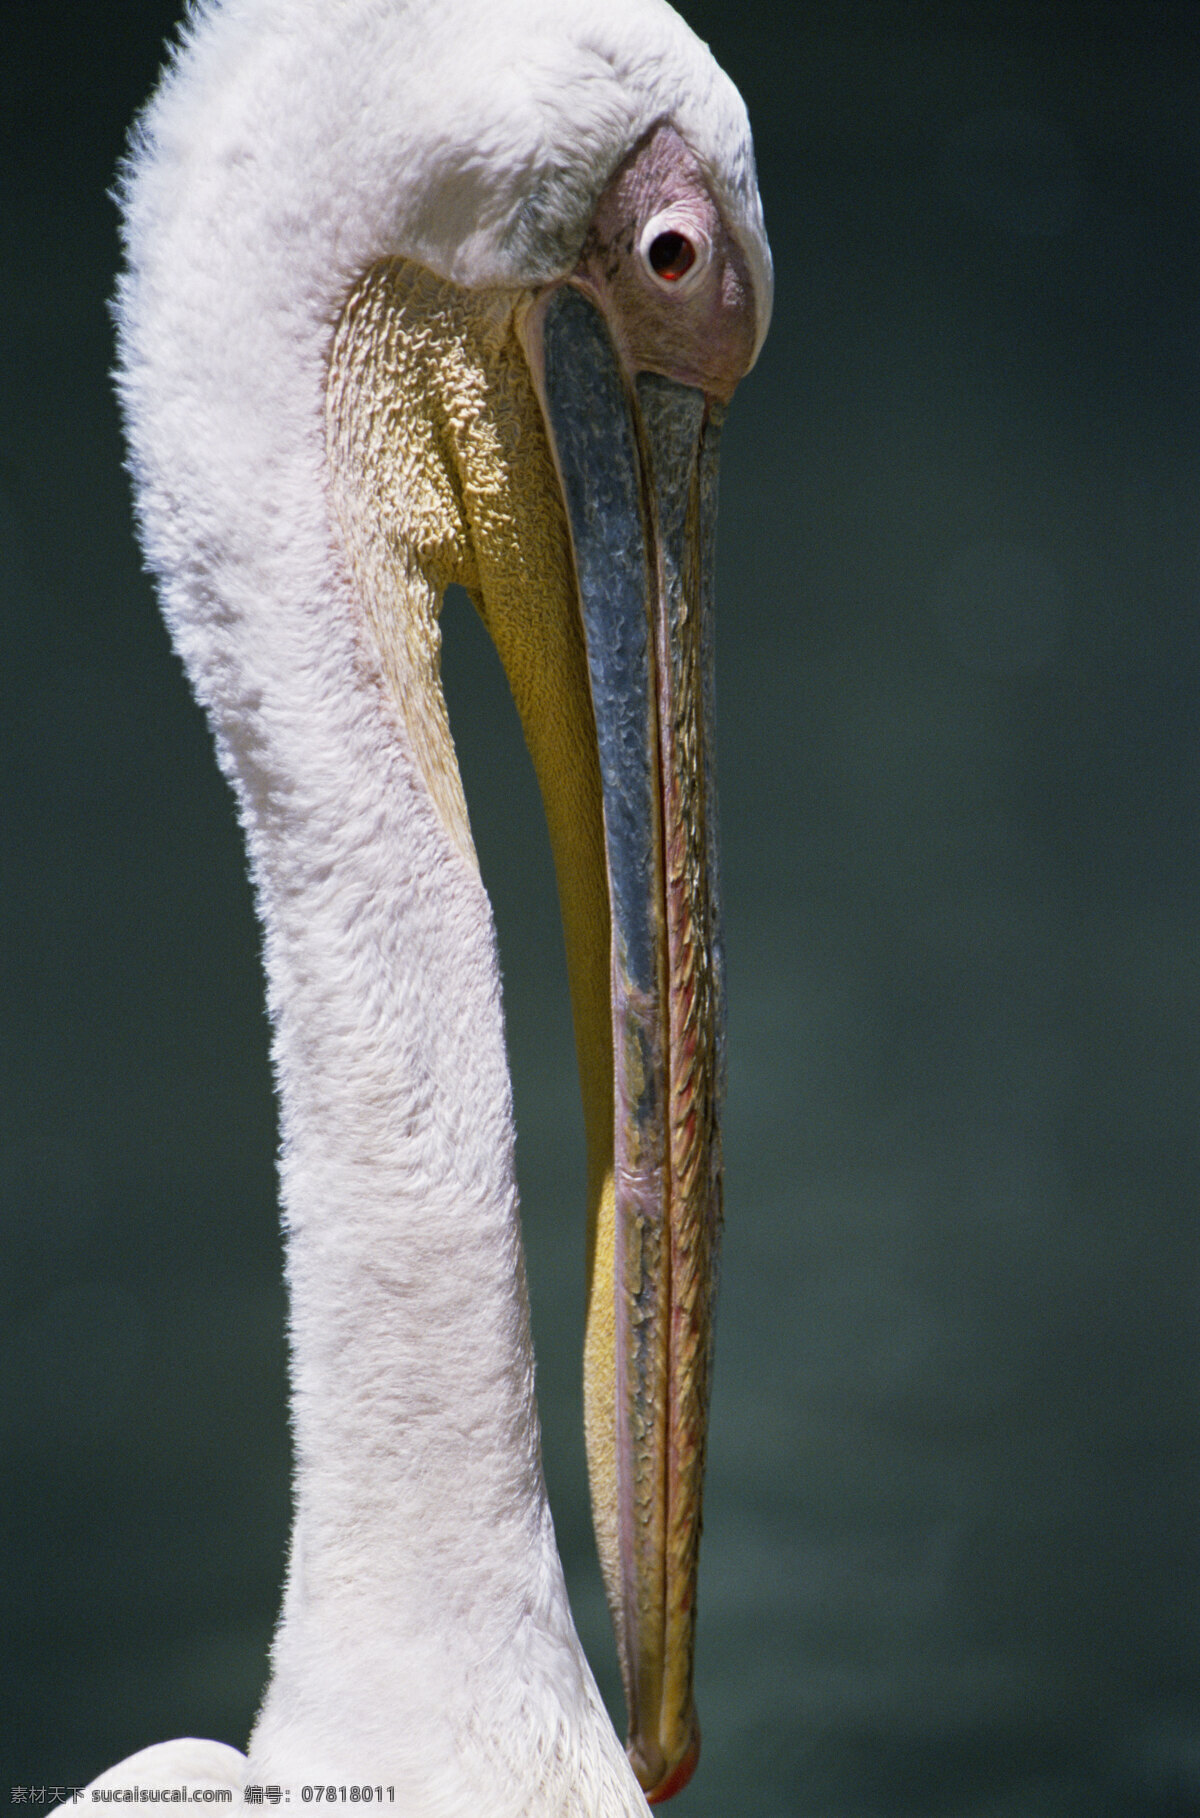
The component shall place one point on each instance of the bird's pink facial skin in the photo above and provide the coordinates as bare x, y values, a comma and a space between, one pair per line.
671, 279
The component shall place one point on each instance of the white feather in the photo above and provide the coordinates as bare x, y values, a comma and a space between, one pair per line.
188, 1762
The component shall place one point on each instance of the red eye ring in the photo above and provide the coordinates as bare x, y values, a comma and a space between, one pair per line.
671, 255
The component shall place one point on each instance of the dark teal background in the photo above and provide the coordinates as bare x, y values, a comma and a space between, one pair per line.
951, 1553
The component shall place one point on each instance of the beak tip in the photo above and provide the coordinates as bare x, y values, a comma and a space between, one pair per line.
659, 1779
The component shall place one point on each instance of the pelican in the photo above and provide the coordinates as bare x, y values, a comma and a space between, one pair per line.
422, 292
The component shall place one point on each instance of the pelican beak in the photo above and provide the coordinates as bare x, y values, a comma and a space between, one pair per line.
574, 496
637, 462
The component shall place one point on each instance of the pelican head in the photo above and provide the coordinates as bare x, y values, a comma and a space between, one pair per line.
421, 295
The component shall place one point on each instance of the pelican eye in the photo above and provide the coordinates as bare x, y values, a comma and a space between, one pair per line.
675, 252
671, 256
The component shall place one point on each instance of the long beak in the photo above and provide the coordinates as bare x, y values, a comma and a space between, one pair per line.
638, 463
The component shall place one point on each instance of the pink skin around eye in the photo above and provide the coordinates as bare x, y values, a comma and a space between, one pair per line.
701, 333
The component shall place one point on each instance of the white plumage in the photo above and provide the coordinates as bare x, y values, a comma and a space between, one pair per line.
425, 1639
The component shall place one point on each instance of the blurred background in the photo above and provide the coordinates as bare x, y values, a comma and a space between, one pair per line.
950, 1563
